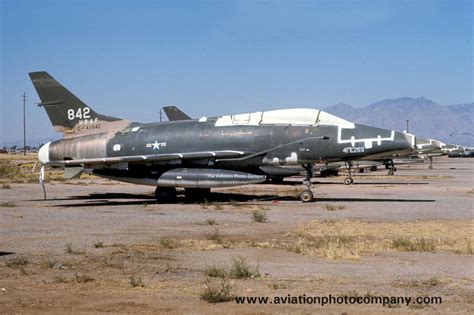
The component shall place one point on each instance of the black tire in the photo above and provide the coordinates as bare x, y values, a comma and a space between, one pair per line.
165, 194
348, 181
391, 173
306, 196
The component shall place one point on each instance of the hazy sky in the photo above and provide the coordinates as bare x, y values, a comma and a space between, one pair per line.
129, 58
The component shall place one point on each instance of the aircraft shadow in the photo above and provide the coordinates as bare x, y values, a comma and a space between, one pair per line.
6, 253
356, 182
373, 200
112, 199
102, 196
389, 183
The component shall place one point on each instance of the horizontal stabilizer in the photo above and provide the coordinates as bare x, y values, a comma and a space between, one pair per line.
72, 172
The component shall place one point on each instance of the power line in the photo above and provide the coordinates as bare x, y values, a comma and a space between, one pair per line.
24, 123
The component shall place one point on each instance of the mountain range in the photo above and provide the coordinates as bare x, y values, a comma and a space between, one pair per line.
452, 124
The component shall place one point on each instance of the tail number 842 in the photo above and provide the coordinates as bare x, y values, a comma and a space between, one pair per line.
81, 113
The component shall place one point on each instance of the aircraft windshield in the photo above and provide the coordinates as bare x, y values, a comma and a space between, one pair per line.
293, 116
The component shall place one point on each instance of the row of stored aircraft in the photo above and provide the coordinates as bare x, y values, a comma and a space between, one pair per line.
200, 154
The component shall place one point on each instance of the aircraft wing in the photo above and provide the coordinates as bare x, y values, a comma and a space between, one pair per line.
219, 156
174, 113
151, 158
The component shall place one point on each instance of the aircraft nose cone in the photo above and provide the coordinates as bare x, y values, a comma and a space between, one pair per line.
43, 153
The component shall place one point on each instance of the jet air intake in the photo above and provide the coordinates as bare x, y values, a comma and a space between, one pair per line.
207, 178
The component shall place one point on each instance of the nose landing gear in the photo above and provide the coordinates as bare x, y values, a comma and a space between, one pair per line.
307, 194
391, 168
348, 179
431, 163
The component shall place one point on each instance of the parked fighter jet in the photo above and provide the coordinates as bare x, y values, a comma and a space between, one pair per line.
327, 168
201, 154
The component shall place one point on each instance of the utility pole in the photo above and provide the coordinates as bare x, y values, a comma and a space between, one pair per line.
24, 123
408, 129
161, 115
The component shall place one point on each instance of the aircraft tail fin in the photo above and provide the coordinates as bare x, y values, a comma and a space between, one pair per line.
174, 113
68, 113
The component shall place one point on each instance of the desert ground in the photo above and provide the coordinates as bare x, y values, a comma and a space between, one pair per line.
100, 246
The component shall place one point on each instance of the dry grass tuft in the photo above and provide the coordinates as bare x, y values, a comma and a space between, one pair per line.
259, 216
430, 283
18, 215
136, 282
215, 236
353, 239
168, 243
60, 279
236, 204
277, 285
7, 204
240, 269
83, 278
17, 262
212, 222
68, 249
217, 291
99, 244
218, 206
216, 271
204, 204
415, 245
329, 207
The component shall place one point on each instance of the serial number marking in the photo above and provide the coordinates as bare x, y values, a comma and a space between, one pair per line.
81, 113
353, 150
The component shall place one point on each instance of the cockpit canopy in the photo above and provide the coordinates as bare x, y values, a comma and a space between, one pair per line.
292, 116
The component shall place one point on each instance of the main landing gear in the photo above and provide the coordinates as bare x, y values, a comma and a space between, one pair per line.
390, 166
348, 179
431, 163
307, 194
165, 194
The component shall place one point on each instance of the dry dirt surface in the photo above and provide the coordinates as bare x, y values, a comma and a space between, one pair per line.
100, 246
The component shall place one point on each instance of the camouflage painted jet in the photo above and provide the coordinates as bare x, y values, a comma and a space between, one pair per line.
327, 168
204, 153
424, 148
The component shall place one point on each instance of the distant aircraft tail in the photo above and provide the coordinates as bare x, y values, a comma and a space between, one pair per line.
174, 113
67, 113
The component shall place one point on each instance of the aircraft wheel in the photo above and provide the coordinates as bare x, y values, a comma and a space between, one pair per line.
165, 194
306, 196
391, 173
430, 167
348, 180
